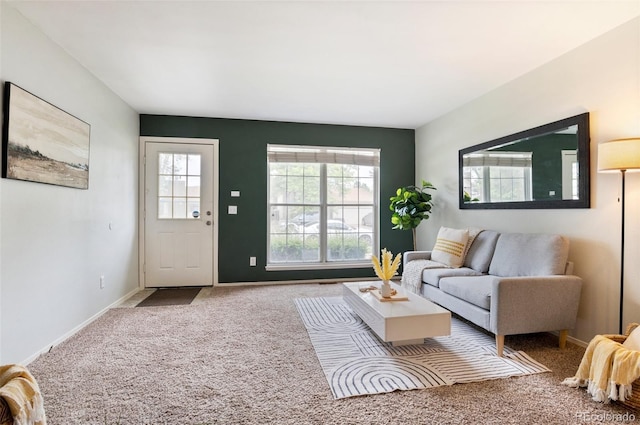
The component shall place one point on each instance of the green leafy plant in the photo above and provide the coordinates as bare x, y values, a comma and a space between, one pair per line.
410, 206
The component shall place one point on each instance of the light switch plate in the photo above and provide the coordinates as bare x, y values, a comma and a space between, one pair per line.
235, 193
233, 209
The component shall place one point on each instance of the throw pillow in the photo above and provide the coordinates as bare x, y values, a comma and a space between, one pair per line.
473, 232
633, 340
450, 246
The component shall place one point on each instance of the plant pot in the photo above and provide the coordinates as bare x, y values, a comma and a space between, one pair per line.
385, 289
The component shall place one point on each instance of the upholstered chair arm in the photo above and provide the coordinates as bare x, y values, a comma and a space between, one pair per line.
415, 255
534, 304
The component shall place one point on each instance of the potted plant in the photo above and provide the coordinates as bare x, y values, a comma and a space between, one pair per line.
410, 206
386, 267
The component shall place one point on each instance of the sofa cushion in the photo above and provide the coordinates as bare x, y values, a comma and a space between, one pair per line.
481, 251
528, 254
473, 232
450, 246
474, 290
433, 276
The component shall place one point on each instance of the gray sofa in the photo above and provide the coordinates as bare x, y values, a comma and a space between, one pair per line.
510, 283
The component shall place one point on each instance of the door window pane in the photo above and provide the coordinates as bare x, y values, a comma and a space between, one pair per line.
180, 186
193, 165
179, 164
165, 209
193, 186
165, 186
193, 207
179, 208
165, 163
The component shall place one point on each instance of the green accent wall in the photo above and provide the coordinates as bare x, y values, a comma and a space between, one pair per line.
546, 164
243, 167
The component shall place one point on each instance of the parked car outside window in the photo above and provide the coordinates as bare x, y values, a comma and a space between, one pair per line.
340, 227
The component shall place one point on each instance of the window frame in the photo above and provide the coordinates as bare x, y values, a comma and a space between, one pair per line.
323, 206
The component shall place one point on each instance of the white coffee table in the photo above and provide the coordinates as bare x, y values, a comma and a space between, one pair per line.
398, 322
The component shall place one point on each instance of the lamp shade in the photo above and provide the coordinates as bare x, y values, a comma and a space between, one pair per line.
620, 154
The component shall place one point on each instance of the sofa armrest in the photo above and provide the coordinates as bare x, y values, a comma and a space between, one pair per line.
529, 304
568, 268
415, 255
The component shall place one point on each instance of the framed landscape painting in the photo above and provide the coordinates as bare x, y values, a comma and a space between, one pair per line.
42, 143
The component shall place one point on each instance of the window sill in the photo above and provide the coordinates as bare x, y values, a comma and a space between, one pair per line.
318, 266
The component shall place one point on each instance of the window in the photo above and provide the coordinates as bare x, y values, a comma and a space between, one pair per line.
178, 185
498, 176
323, 205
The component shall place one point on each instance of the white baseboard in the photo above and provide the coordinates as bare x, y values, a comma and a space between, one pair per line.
573, 340
577, 341
75, 330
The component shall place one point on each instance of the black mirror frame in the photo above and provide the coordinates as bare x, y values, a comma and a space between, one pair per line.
584, 158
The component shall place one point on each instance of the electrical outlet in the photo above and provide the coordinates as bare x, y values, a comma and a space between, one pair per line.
252, 261
102, 282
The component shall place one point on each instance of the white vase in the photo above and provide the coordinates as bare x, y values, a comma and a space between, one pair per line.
385, 289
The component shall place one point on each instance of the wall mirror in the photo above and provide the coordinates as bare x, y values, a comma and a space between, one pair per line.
543, 167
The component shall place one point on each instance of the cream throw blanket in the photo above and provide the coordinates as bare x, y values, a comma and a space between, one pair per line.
21, 392
607, 370
412, 274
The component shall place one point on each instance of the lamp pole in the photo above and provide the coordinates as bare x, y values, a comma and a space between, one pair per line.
622, 253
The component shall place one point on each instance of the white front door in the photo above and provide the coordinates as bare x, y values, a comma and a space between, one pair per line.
178, 214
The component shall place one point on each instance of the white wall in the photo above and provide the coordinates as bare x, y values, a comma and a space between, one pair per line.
55, 242
601, 77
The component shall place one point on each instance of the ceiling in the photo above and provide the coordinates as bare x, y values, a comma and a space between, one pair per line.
386, 63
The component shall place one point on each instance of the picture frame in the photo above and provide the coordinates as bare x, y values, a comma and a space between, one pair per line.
42, 143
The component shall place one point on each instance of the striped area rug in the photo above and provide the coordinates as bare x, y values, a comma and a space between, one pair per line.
356, 362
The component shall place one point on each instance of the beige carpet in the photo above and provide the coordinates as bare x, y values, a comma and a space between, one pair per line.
243, 356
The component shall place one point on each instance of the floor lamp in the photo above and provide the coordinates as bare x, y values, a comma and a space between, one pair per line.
620, 155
